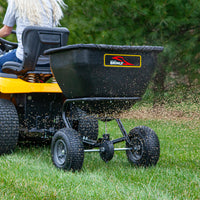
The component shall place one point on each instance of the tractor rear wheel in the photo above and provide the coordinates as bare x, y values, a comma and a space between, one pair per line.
9, 126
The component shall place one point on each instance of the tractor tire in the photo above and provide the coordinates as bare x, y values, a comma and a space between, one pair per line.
9, 126
67, 151
145, 147
85, 125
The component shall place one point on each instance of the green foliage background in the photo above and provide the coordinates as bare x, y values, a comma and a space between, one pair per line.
173, 24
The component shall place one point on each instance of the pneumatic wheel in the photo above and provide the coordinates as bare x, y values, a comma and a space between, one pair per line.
84, 124
145, 147
67, 150
9, 126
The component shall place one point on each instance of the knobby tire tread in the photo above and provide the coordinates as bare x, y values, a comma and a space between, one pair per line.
75, 154
9, 126
151, 151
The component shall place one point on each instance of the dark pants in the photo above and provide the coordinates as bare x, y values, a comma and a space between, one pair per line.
10, 56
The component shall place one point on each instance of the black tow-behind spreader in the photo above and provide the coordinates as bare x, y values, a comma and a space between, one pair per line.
99, 82
95, 82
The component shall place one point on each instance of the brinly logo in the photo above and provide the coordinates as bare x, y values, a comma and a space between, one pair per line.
117, 60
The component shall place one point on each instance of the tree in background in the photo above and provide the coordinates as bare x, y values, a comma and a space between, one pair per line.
3, 5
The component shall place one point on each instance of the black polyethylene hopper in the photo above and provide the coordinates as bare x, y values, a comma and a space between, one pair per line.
105, 71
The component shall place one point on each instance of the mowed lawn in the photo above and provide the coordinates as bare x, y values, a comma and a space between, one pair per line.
28, 173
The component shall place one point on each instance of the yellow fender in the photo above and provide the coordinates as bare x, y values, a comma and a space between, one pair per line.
14, 86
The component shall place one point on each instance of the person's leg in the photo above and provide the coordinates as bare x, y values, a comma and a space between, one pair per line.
10, 56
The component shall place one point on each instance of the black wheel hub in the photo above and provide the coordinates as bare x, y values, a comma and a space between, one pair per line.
137, 148
106, 151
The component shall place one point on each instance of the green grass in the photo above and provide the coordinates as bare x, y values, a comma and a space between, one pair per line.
28, 173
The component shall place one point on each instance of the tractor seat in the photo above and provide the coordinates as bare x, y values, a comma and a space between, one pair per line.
35, 41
